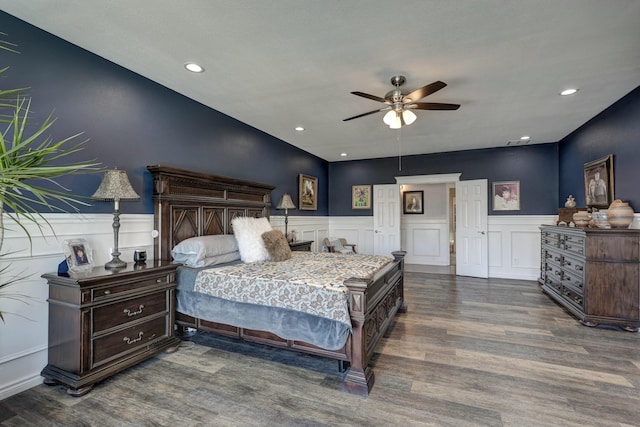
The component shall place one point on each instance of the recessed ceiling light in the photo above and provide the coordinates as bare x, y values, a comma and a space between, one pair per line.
193, 67
299, 128
568, 92
343, 154
525, 138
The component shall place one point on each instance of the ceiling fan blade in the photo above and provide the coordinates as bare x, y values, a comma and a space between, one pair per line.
425, 90
366, 114
373, 97
432, 106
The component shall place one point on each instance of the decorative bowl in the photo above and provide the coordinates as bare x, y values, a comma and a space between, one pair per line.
581, 218
601, 219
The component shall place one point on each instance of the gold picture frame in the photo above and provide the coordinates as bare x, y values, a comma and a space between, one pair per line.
308, 192
360, 197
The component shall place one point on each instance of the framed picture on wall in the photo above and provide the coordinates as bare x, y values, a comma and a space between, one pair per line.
413, 202
598, 182
361, 197
506, 196
308, 188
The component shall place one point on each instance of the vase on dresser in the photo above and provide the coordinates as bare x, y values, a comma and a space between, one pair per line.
620, 214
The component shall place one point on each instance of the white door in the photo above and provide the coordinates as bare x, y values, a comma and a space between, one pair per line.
472, 241
386, 219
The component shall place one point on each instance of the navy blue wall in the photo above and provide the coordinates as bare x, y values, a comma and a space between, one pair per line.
535, 166
132, 122
614, 131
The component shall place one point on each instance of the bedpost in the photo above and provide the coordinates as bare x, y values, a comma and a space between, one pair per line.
360, 377
399, 257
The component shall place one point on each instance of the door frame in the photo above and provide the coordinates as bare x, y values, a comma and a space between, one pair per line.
442, 178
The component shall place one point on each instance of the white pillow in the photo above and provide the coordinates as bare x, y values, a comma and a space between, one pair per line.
248, 232
194, 250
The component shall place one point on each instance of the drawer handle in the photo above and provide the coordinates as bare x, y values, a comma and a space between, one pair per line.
107, 292
579, 267
134, 340
159, 280
134, 313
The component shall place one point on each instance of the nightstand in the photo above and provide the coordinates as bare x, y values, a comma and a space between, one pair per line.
104, 321
302, 245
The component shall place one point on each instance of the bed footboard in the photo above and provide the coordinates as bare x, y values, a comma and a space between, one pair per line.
373, 305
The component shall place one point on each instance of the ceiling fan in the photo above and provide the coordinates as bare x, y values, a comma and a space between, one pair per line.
400, 104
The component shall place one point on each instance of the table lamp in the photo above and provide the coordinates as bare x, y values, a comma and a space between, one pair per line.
115, 186
286, 203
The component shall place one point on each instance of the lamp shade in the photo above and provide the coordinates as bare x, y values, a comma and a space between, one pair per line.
115, 185
286, 202
408, 117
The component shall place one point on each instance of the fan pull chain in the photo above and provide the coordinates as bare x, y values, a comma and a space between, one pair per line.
399, 139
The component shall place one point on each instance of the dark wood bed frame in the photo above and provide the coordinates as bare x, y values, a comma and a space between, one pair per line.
188, 204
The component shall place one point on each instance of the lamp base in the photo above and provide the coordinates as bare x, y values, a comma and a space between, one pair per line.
115, 263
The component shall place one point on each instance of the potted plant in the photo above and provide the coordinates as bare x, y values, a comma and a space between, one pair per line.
28, 159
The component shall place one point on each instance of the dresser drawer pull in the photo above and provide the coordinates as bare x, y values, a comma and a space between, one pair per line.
134, 313
159, 280
579, 267
131, 341
107, 292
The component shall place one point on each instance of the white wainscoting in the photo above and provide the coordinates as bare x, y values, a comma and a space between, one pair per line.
425, 240
514, 246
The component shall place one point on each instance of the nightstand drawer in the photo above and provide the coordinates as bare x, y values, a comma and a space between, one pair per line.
102, 293
128, 340
111, 315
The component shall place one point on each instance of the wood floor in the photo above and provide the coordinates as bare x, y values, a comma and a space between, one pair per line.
469, 352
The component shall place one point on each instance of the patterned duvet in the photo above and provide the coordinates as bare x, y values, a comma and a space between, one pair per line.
310, 283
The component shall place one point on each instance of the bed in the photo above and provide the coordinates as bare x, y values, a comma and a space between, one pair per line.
188, 204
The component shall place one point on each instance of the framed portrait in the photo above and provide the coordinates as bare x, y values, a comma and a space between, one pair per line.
413, 202
598, 182
308, 187
506, 195
361, 197
78, 255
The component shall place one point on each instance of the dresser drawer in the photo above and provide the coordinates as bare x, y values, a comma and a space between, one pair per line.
574, 244
108, 316
573, 265
111, 291
575, 282
573, 297
550, 239
124, 341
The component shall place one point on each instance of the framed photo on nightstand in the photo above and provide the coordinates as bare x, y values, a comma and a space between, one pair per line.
78, 255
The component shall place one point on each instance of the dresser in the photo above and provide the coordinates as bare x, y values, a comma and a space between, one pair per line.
104, 321
302, 245
594, 273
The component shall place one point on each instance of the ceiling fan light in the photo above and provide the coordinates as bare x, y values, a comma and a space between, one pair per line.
389, 118
408, 117
396, 123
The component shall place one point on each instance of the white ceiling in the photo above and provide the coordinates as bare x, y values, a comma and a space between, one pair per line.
282, 63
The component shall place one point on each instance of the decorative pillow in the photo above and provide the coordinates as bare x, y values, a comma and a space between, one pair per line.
277, 246
248, 232
194, 250
221, 259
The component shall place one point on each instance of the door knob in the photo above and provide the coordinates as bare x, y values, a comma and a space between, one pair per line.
481, 232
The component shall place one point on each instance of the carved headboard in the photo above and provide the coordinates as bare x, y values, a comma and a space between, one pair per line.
188, 204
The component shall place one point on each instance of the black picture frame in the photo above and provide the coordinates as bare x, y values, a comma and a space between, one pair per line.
413, 202
598, 182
